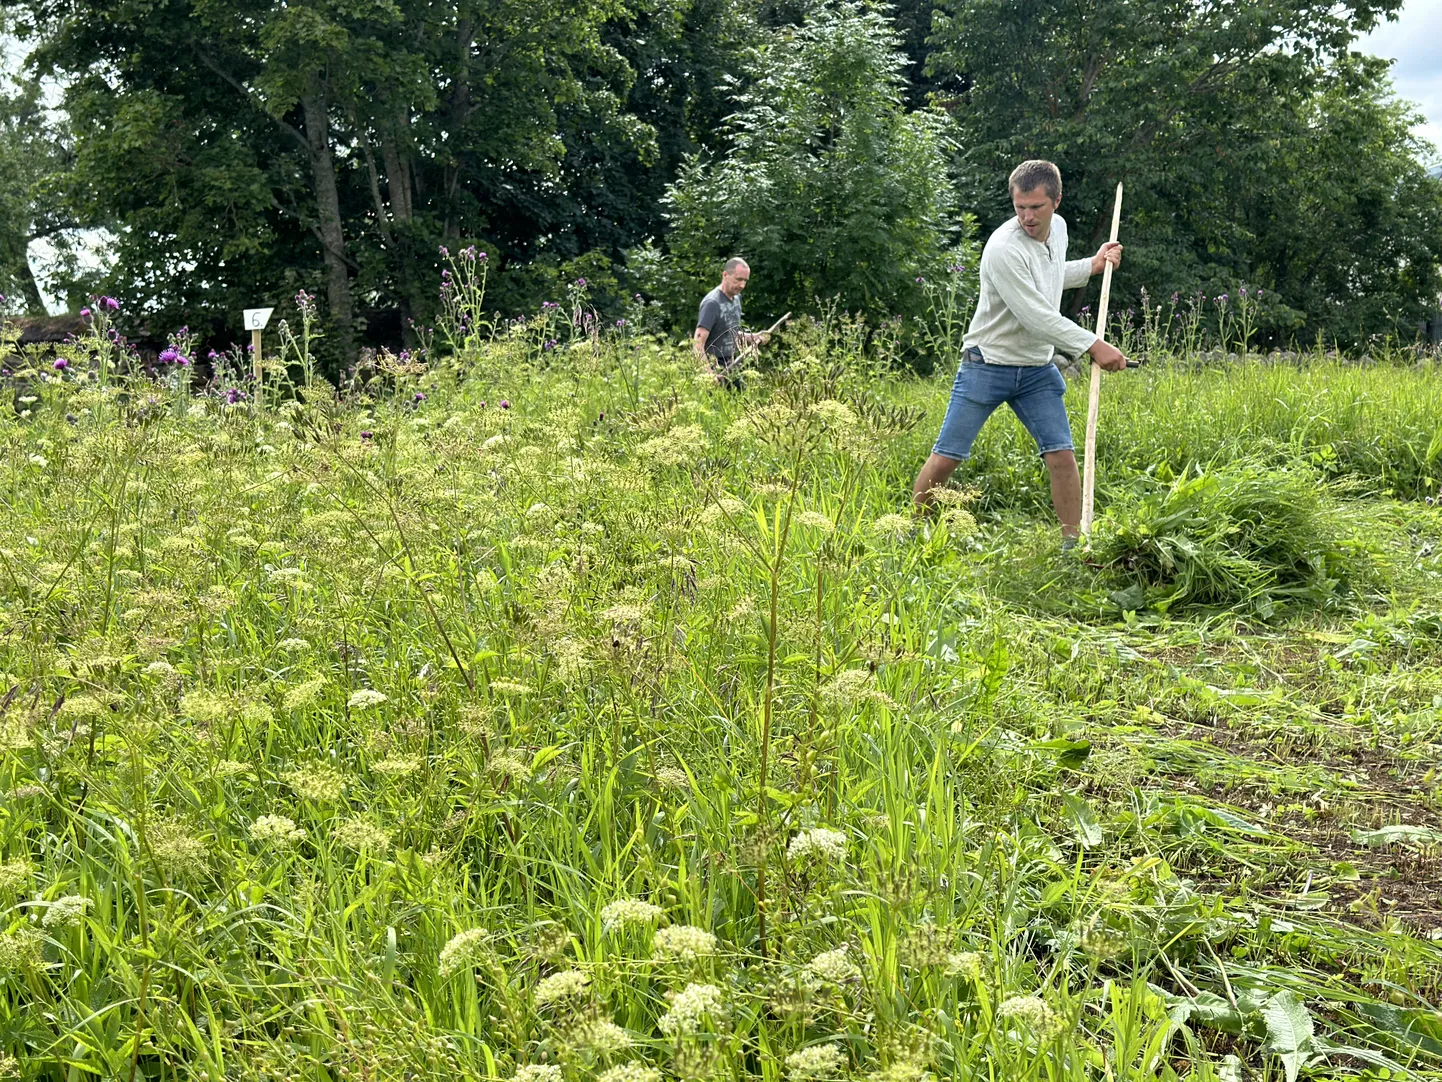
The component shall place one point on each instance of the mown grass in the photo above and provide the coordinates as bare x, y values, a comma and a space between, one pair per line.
381, 739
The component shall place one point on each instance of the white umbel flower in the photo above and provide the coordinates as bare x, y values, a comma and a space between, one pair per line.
683, 943
1033, 1013
628, 912
463, 951
819, 847
834, 966
692, 1008
818, 1061
630, 1072
559, 987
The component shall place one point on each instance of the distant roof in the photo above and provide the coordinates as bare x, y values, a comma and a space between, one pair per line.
35, 330
1436, 171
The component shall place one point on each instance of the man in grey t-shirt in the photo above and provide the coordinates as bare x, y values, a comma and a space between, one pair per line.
719, 337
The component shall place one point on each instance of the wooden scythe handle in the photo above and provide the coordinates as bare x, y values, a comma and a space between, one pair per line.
1089, 479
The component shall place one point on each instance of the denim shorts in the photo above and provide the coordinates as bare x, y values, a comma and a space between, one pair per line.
1033, 393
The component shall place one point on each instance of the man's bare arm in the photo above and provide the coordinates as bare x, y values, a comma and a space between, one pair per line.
698, 343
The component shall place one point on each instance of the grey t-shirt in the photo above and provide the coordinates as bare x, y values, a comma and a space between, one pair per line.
720, 315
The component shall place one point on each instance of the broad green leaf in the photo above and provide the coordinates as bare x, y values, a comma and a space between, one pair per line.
1069, 753
1084, 819
1399, 833
1289, 1031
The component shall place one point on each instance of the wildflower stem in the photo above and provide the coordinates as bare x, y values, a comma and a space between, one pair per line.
781, 532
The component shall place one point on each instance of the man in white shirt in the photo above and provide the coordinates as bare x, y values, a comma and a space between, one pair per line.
1017, 330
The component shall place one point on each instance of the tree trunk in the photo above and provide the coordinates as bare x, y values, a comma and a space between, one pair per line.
327, 202
398, 173
34, 303
460, 111
396, 158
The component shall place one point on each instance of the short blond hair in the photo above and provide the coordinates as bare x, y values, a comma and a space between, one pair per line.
1031, 175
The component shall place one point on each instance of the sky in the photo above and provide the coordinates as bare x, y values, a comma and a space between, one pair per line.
1414, 41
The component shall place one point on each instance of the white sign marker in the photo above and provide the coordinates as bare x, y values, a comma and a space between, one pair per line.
257, 318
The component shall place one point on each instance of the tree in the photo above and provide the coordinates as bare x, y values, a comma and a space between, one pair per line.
245, 150
829, 186
34, 159
1208, 112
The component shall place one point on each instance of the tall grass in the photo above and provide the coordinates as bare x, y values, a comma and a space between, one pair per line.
1378, 426
565, 717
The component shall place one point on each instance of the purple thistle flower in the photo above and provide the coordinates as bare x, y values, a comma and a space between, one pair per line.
61, 364
211, 355
483, 403
482, 257
620, 322
445, 252
85, 313
420, 397
581, 282
366, 433
234, 395
505, 403
111, 303
469, 254
169, 355
919, 279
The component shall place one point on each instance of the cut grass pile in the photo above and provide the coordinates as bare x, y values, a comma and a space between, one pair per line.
1235, 536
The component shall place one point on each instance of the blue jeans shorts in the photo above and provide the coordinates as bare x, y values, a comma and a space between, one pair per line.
1034, 395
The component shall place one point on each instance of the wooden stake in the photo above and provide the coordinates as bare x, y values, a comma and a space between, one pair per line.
1089, 479
255, 359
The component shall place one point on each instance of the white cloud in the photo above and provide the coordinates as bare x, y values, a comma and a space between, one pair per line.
1413, 43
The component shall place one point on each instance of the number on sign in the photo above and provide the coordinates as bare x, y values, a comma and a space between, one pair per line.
257, 318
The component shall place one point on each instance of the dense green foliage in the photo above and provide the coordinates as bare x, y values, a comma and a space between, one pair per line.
1253, 148
1230, 535
241, 152
830, 187
554, 715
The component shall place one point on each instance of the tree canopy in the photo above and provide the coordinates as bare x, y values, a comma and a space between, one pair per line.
240, 150
830, 185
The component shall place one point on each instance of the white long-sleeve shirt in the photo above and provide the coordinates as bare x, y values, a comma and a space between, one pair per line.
1018, 319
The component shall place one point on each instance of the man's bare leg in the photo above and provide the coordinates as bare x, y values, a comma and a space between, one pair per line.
937, 472
1065, 490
